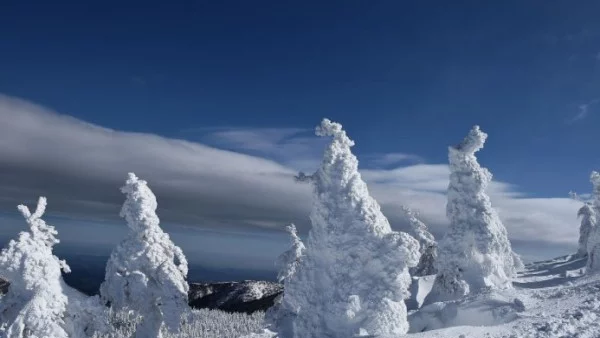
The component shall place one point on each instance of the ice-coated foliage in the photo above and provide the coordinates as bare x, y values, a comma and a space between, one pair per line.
201, 323
353, 277
590, 214
146, 272
39, 304
588, 222
286, 263
475, 253
419, 231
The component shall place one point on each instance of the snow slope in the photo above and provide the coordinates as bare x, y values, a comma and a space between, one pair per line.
550, 299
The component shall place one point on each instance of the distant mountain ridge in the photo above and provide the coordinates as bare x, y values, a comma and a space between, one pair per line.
247, 296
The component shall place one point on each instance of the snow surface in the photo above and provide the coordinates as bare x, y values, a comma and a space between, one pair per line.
550, 299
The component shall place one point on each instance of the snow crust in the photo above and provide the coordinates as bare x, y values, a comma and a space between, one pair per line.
39, 304
146, 272
353, 278
475, 253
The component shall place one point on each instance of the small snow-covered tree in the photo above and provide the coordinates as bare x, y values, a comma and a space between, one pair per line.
353, 277
590, 214
38, 303
475, 253
419, 231
286, 265
288, 261
146, 273
588, 222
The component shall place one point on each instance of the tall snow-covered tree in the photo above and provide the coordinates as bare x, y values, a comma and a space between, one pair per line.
38, 303
288, 261
592, 213
353, 277
419, 231
475, 253
146, 272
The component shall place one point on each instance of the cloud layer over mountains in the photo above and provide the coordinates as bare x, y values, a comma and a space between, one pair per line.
249, 186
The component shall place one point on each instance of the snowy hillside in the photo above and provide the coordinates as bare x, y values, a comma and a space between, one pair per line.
550, 299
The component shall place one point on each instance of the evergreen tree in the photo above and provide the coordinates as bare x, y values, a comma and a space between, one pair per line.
38, 303
146, 272
353, 277
475, 253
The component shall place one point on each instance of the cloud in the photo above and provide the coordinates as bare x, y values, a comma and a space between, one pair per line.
295, 147
583, 110
80, 166
392, 159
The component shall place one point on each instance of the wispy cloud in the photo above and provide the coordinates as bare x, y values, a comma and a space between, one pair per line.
583, 110
80, 166
392, 160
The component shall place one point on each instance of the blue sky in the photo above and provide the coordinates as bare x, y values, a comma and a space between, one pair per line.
404, 78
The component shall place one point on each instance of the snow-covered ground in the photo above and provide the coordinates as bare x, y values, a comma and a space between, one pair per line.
550, 299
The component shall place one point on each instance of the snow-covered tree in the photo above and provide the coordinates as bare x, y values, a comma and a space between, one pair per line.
588, 222
475, 253
353, 277
419, 231
38, 303
286, 265
288, 261
590, 214
146, 273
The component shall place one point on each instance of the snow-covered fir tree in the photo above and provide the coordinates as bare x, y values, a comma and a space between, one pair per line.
38, 303
288, 261
593, 212
586, 227
353, 277
286, 265
475, 253
419, 231
146, 272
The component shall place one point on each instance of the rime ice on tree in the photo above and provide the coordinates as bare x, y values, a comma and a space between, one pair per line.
146, 272
591, 215
39, 304
353, 277
475, 253
288, 261
419, 231
588, 223
286, 265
